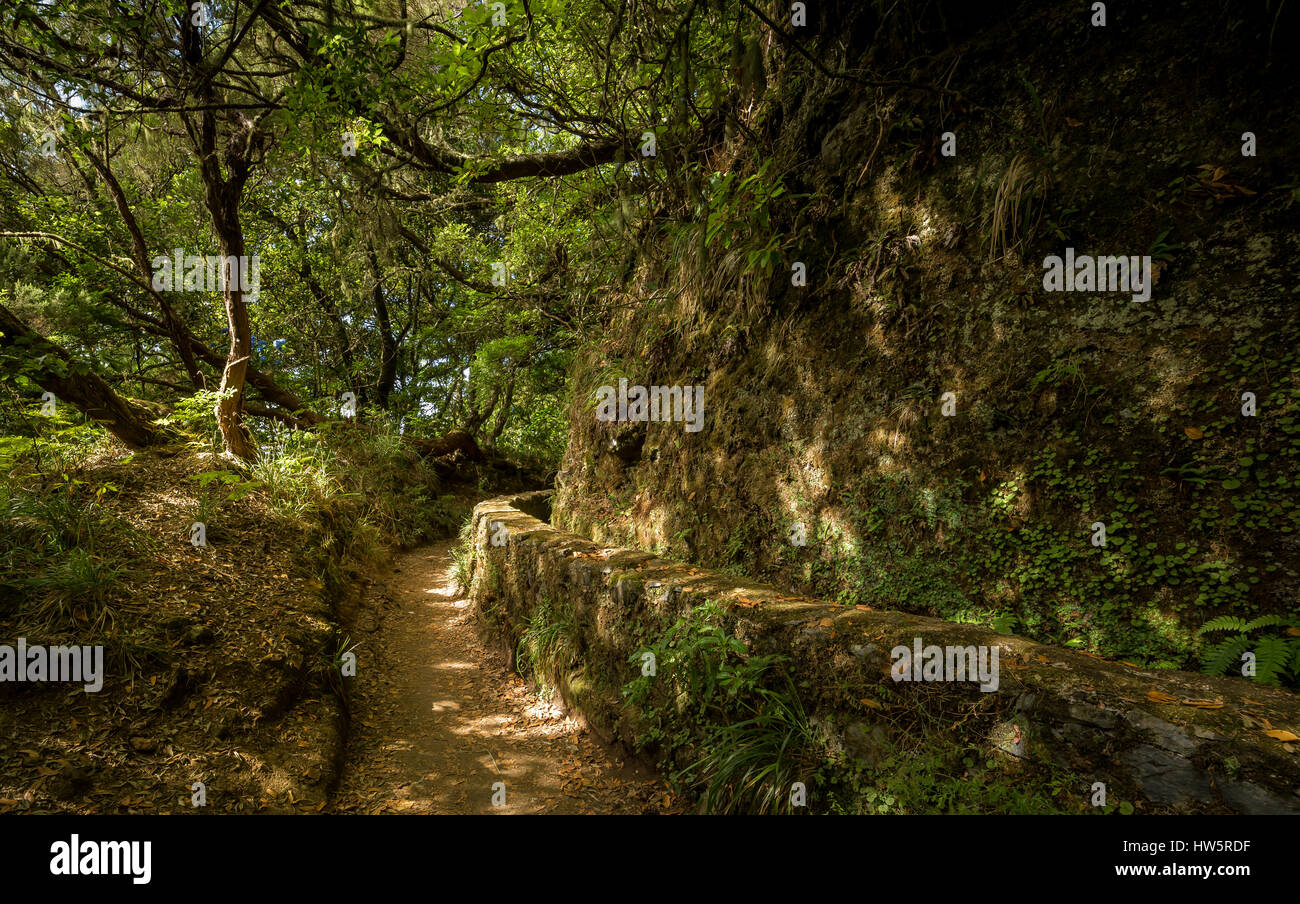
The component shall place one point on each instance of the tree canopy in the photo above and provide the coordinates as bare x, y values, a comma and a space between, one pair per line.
427, 197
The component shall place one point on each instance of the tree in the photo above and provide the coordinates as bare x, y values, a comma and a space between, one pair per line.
476, 146
25, 352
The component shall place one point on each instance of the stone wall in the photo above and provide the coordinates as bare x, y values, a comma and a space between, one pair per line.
1176, 740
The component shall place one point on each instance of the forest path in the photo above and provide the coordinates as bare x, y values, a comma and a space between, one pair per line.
438, 719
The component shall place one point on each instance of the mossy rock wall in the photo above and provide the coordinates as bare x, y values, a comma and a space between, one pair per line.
1097, 719
824, 403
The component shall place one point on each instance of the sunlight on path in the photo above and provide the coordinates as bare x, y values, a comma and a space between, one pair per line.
438, 720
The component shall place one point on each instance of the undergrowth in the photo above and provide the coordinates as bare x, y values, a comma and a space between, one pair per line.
732, 728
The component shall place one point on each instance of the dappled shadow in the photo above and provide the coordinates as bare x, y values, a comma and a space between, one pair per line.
442, 726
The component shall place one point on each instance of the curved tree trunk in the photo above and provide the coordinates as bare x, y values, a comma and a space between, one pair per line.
230, 410
504, 415
77, 385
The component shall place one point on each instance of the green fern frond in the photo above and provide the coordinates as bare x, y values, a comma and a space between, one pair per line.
1272, 660
1223, 623
1264, 621
1225, 655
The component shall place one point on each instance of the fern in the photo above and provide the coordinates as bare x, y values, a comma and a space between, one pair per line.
1265, 621
1223, 623
1224, 655
1277, 658
1273, 660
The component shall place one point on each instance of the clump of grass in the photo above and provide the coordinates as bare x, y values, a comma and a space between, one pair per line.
73, 590
301, 474
462, 556
1016, 207
548, 644
373, 471
54, 558
751, 765
738, 714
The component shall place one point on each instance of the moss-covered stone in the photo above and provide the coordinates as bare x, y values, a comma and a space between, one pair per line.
1202, 747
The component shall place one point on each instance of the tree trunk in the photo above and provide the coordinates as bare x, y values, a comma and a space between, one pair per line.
230, 410
504, 415
454, 441
222, 197
76, 384
477, 416
387, 376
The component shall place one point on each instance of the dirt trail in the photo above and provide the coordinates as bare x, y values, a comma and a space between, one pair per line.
438, 719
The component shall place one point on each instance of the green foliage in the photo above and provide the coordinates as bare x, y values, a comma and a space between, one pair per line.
740, 210
381, 259
462, 555
548, 644
61, 556
238, 486
703, 661
754, 739
196, 415
1277, 655
943, 774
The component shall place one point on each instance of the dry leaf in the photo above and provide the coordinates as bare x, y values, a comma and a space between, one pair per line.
1160, 697
1282, 735
1193, 432
1203, 704
1258, 720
